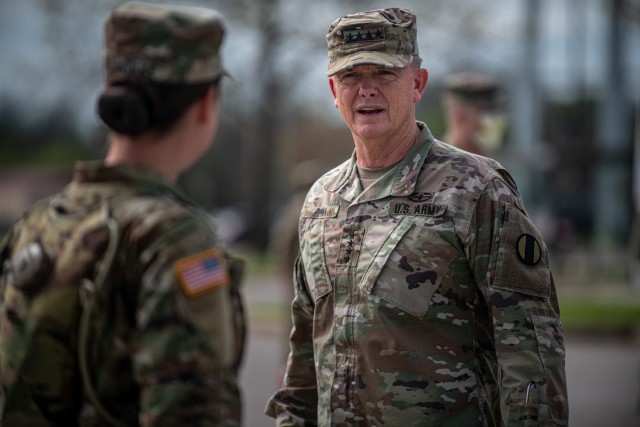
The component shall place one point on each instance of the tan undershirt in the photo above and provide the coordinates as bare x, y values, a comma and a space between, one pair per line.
369, 176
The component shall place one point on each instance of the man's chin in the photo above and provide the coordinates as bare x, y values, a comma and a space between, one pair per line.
369, 130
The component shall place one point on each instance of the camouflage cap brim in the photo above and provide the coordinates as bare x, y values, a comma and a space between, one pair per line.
380, 59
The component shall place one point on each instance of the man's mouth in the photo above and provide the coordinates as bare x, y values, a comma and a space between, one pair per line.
370, 111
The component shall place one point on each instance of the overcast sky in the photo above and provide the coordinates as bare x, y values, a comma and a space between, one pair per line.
52, 54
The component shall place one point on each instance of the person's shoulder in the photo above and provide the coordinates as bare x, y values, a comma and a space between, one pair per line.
329, 178
152, 217
470, 171
38, 207
321, 200
443, 155
334, 172
141, 206
34, 215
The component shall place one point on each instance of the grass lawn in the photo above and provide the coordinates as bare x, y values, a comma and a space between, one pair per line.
583, 314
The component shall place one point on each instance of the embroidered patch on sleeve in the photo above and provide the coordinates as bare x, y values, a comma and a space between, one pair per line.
202, 272
528, 249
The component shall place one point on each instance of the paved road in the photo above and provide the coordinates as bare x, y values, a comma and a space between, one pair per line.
603, 377
604, 383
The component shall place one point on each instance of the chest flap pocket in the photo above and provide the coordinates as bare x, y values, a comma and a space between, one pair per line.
408, 267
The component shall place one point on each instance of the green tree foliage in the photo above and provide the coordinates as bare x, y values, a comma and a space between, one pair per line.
47, 140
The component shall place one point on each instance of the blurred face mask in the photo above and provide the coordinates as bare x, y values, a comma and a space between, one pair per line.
492, 128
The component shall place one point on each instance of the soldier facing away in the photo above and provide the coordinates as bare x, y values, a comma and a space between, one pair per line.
423, 292
119, 305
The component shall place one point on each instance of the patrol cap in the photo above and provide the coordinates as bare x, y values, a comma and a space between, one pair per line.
475, 88
383, 37
163, 44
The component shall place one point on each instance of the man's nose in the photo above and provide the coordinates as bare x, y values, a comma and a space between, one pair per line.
368, 88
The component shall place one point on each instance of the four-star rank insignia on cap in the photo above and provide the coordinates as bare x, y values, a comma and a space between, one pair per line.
360, 35
202, 272
528, 249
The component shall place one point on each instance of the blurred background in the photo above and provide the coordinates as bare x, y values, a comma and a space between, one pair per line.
570, 70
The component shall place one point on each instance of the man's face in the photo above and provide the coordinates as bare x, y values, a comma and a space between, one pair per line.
377, 102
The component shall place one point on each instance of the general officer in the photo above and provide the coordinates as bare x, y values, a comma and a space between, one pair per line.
119, 306
474, 108
423, 293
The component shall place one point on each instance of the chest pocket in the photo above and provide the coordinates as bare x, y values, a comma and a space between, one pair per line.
408, 267
312, 244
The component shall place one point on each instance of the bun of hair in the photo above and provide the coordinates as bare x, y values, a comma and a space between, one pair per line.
125, 110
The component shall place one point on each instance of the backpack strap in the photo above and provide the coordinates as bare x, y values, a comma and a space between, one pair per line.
236, 273
4, 260
88, 294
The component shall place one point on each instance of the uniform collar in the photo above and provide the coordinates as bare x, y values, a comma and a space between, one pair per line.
112, 180
399, 181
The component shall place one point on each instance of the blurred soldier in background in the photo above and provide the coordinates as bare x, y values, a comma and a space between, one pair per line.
475, 116
423, 290
119, 307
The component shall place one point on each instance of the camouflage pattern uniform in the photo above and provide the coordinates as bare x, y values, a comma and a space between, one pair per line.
424, 299
118, 305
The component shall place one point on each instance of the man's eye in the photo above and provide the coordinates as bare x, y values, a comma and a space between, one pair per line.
386, 74
348, 78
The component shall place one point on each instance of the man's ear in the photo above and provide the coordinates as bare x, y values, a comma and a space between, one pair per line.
332, 85
420, 83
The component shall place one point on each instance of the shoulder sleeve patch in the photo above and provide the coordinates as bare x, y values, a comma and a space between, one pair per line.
528, 249
522, 261
202, 272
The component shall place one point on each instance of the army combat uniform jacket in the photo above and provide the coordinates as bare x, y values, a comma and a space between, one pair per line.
423, 300
118, 309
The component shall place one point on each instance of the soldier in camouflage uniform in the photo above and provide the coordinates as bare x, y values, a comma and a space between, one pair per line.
423, 290
119, 306
474, 113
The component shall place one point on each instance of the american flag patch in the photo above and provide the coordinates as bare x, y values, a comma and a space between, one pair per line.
202, 272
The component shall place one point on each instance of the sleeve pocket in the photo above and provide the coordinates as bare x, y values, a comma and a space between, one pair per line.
550, 336
523, 261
